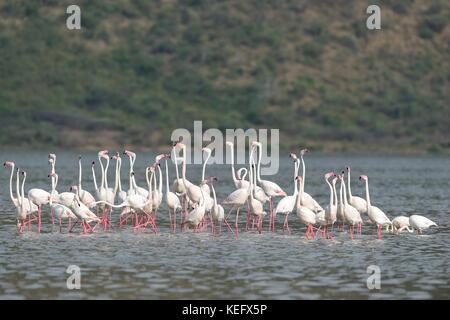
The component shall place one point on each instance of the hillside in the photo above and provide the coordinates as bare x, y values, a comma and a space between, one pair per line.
139, 69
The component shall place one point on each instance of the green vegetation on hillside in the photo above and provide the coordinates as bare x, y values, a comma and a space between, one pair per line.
139, 69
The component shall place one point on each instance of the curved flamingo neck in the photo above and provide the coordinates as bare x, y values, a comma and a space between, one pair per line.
23, 190
335, 195
345, 196
167, 177
10, 183
303, 172
204, 165
79, 173
102, 172
367, 195
160, 186
331, 192
214, 195
176, 162
299, 195
348, 184
296, 166
233, 172
19, 200
95, 179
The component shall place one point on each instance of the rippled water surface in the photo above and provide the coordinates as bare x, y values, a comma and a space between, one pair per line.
123, 264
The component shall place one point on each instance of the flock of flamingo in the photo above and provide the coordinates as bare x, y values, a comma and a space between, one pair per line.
196, 207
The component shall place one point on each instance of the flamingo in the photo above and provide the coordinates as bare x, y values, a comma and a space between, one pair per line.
238, 182
122, 195
21, 208
85, 196
420, 223
401, 223
271, 189
351, 214
205, 186
307, 199
39, 197
64, 198
83, 214
196, 215
26, 202
241, 177
375, 214
172, 201
305, 215
255, 206
331, 209
340, 216
217, 211
287, 204
134, 188
178, 185
193, 192
359, 203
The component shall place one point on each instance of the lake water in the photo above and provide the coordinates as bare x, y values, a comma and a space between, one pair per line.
128, 265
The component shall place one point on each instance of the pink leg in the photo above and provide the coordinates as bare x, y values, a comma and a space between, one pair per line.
39, 219
237, 220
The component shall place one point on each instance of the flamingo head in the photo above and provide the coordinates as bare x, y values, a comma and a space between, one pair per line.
303, 151
8, 164
79, 157
239, 176
162, 156
51, 161
115, 157
52, 174
347, 168
73, 188
329, 174
24, 173
363, 177
93, 163
52, 156
298, 178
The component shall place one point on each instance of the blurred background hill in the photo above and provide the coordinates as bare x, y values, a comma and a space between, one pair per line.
139, 69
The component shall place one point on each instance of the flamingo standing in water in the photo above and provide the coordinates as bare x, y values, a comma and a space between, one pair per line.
270, 188
134, 188
39, 197
172, 201
307, 199
375, 214
359, 203
238, 181
331, 209
305, 215
21, 208
85, 196
26, 202
217, 211
256, 206
351, 214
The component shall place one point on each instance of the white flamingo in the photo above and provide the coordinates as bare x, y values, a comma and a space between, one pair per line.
217, 211
305, 215
238, 181
39, 197
401, 223
26, 202
331, 209
271, 189
64, 198
359, 203
287, 204
307, 200
352, 216
420, 223
256, 206
375, 214
178, 185
85, 196
172, 201
134, 188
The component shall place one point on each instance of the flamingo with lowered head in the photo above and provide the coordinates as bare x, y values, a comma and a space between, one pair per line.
421, 223
238, 181
375, 214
